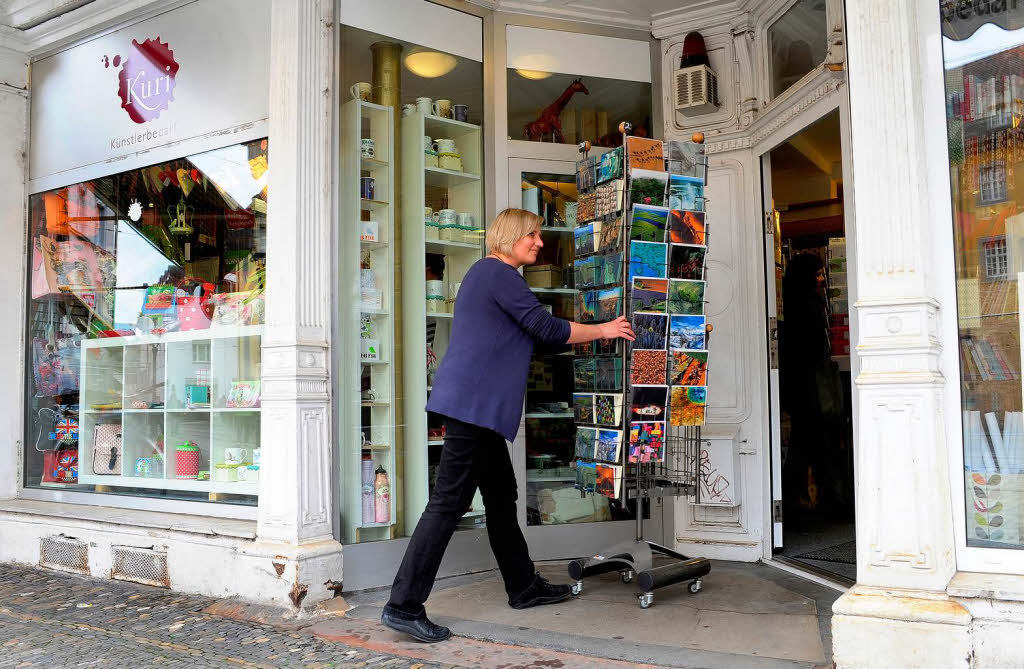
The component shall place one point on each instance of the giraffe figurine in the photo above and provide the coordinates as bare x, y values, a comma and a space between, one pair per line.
550, 120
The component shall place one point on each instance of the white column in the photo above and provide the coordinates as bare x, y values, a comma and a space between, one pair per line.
296, 509
898, 615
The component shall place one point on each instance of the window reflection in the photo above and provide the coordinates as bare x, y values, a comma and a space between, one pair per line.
797, 41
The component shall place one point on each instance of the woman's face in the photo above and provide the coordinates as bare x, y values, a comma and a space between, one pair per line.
526, 249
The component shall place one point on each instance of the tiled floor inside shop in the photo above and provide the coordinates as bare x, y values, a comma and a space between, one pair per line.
747, 615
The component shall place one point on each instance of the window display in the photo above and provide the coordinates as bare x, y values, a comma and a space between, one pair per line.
144, 324
984, 92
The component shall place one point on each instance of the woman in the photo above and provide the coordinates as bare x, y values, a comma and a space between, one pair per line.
479, 390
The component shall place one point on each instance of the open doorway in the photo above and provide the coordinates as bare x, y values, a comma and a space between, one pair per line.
811, 411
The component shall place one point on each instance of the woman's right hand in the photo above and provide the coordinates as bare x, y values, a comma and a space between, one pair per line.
620, 327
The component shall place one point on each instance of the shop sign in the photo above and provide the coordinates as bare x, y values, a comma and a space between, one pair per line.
962, 18
146, 80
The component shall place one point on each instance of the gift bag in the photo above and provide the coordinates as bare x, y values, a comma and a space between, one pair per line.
55, 365
61, 465
106, 449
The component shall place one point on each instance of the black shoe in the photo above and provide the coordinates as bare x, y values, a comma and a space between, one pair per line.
420, 629
540, 592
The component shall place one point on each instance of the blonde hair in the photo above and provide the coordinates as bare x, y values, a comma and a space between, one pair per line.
509, 227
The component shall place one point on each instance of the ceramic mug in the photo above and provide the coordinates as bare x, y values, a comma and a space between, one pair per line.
408, 110
367, 186
445, 146
360, 91
367, 148
435, 287
425, 105
444, 217
461, 113
428, 214
256, 455
465, 219
442, 108
235, 456
428, 144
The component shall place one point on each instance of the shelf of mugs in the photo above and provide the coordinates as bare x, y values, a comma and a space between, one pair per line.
439, 125
372, 205
370, 164
438, 176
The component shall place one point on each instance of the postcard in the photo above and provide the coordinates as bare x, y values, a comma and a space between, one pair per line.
647, 259
586, 275
608, 375
688, 405
648, 187
585, 206
584, 374
650, 330
585, 306
608, 480
584, 238
643, 153
609, 303
586, 476
648, 224
598, 347
649, 403
686, 261
647, 441
649, 294
586, 438
608, 410
583, 408
609, 198
569, 219
611, 235
687, 332
686, 297
609, 445
686, 158
687, 227
610, 165
586, 173
648, 367
688, 368
611, 268
686, 193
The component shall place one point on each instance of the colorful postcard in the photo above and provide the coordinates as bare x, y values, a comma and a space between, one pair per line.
686, 227
584, 238
687, 332
647, 259
608, 410
648, 367
584, 373
609, 445
586, 205
586, 476
609, 303
686, 158
647, 441
611, 235
586, 438
569, 220
649, 403
586, 174
608, 480
598, 347
650, 330
583, 408
688, 405
686, 297
648, 223
648, 187
585, 306
643, 153
608, 375
583, 272
686, 261
610, 166
609, 198
650, 294
611, 268
688, 368
686, 193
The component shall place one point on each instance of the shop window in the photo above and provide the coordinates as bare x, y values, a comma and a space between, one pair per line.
145, 314
984, 81
797, 43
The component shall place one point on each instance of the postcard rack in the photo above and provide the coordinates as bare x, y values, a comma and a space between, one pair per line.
655, 459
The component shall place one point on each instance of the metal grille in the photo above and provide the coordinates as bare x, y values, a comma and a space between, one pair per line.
140, 565
64, 554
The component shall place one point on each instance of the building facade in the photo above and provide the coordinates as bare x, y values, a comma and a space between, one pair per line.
224, 284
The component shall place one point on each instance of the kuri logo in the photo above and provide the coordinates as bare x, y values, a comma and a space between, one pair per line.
146, 80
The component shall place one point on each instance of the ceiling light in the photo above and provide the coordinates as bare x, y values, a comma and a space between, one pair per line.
430, 64
533, 74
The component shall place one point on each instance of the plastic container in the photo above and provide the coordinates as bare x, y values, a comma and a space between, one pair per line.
225, 473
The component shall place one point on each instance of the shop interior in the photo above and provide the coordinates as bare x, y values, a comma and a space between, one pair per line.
812, 308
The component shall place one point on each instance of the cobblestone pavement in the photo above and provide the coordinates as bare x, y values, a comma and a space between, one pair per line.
49, 619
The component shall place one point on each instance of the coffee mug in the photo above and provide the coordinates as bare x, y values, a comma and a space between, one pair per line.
444, 217
461, 113
256, 455
425, 105
234, 456
465, 219
360, 91
445, 146
367, 148
442, 108
435, 287
408, 110
367, 186
428, 144
428, 214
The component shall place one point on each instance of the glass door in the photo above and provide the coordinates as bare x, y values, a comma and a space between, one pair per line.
560, 521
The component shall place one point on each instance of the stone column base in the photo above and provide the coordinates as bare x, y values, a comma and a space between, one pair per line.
296, 576
874, 628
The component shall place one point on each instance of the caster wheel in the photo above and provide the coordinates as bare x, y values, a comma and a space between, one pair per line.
646, 600
627, 576
577, 587
695, 587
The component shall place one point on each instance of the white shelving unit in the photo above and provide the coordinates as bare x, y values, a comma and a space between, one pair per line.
422, 187
117, 371
367, 425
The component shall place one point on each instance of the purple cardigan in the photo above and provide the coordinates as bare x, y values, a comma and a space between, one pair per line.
482, 377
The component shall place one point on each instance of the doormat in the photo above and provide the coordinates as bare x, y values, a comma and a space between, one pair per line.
845, 552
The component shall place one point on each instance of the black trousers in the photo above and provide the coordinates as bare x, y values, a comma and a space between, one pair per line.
472, 456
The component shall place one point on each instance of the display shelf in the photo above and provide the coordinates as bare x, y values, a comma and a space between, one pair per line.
555, 228
440, 177
443, 247
436, 126
443, 315
366, 427
436, 442
550, 415
554, 291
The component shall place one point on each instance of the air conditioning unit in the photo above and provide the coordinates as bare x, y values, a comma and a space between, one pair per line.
697, 90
